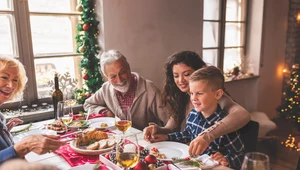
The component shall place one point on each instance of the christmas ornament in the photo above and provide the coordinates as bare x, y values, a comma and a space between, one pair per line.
79, 8
85, 76
85, 27
88, 95
295, 66
150, 159
236, 71
141, 165
151, 166
81, 49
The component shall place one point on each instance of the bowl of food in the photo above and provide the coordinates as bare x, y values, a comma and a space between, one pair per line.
78, 124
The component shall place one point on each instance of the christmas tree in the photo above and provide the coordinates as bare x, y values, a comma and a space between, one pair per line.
290, 108
87, 44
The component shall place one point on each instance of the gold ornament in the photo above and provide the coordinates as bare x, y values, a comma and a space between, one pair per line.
79, 8
81, 49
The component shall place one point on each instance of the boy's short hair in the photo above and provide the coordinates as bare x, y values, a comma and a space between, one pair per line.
211, 74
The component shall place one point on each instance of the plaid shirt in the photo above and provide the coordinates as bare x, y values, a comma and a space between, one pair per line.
230, 145
126, 100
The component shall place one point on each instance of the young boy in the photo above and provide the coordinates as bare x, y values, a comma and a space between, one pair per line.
206, 88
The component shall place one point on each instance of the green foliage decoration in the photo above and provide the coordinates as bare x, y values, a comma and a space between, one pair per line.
87, 44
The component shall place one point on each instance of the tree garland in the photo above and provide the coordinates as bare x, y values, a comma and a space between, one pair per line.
87, 44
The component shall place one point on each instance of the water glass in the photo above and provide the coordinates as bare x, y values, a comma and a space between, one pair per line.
256, 161
63, 113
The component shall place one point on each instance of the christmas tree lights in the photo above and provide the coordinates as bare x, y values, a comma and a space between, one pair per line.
290, 107
87, 44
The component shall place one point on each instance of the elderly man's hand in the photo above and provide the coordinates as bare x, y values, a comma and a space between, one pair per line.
39, 144
198, 146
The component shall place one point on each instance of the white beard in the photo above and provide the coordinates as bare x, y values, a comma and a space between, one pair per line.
122, 88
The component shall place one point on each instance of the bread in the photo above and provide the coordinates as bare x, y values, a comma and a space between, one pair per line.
103, 144
93, 146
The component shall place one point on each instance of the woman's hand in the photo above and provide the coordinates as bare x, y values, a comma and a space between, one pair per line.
159, 137
39, 144
220, 158
13, 122
150, 131
198, 146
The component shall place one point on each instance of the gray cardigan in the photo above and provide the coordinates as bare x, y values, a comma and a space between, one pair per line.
146, 106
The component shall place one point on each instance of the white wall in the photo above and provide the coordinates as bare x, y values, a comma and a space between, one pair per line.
147, 32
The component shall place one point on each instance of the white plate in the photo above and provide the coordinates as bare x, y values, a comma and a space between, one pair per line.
110, 121
88, 152
170, 149
19, 137
87, 166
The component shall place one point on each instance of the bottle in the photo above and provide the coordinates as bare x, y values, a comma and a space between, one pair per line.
57, 95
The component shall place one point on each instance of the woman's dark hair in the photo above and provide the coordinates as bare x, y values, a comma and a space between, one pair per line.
171, 94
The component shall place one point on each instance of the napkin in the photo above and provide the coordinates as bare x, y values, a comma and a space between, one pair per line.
205, 159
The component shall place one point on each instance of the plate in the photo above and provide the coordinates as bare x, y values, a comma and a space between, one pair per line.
110, 121
88, 166
88, 152
19, 137
170, 149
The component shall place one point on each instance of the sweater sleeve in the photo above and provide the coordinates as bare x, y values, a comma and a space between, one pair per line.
7, 153
96, 102
237, 117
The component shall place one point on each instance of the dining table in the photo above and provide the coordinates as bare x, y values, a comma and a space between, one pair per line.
57, 160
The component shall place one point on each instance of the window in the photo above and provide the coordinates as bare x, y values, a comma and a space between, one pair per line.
224, 27
41, 35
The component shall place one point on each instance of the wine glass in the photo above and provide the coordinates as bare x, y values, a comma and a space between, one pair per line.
64, 113
123, 119
127, 150
256, 161
70, 103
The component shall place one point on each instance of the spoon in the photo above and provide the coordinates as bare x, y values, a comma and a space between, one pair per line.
88, 114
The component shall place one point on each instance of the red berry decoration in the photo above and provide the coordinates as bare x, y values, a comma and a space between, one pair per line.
85, 27
141, 165
150, 159
85, 76
187, 158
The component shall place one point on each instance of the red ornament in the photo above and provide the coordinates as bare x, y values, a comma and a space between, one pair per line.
85, 27
107, 156
88, 95
85, 76
150, 159
141, 165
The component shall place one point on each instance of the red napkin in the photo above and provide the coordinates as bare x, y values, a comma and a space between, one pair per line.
75, 159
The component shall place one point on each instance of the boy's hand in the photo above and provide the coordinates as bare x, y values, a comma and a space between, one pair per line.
159, 137
197, 146
220, 158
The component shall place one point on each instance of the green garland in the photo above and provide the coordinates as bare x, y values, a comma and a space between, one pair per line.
87, 44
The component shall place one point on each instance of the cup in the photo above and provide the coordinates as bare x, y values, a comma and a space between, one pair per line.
256, 161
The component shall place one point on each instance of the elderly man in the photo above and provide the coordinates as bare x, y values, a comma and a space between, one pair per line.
125, 89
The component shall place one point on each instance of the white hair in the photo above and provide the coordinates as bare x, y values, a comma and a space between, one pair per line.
109, 57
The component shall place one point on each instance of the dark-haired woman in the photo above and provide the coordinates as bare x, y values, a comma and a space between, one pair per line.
178, 69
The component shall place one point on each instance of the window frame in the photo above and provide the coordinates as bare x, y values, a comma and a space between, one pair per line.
22, 39
221, 32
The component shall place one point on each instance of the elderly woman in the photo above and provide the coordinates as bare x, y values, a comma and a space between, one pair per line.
12, 83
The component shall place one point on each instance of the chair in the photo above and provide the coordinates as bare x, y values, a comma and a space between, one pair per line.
249, 135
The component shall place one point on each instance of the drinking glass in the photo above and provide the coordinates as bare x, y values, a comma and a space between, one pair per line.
63, 113
256, 161
127, 150
123, 119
